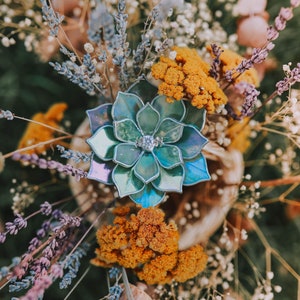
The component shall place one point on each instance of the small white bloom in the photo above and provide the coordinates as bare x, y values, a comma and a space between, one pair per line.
88, 47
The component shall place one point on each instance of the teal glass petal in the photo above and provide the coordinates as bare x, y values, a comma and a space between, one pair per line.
143, 89
170, 180
146, 168
168, 156
191, 142
126, 131
169, 130
126, 106
101, 171
148, 197
174, 110
100, 116
103, 142
195, 170
125, 181
126, 155
194, 116
147, 119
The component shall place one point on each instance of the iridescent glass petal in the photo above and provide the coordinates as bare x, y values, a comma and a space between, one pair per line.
174, 110
149, 196
195, 170
168, 156
101, 171
191, 142
126, 154
126, 106
169, 131
146, 168
170, 180
126, 131
103, 142
126, 182
147, 119
100, 116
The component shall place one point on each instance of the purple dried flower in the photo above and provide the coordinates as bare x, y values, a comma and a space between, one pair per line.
295, 3
70, 220
56, 271
272, 33
215, 66
33, 244
292, 77
250, 93
14, 227
279, 23
46, 208
2, 237
50, 164
286, 13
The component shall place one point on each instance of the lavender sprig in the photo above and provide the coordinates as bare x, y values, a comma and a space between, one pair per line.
50, 164
76, 156
52, 18
260, 54
6, 114
72, 264
215, 66
292, 77
77, 75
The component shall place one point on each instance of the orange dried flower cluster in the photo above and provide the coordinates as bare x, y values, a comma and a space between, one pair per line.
145, 243
188, 77
36, 133
229, 61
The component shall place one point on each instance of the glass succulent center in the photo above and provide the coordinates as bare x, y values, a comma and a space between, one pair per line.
148, 142
147, 147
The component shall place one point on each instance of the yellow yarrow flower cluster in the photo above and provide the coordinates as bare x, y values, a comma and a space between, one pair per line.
145, 243
187, 76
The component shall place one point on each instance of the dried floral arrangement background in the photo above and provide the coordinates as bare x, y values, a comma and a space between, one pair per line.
149, 149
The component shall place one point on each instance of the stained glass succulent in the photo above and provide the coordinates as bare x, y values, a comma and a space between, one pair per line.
146, 146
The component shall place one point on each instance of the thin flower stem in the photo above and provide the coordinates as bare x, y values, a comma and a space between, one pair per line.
42, 124
7, 155
126, 284
274, 182
77, 283
273, 251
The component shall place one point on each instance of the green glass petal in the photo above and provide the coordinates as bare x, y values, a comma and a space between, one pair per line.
169, 156
191, 142
146, 168
103, 142
148, 197
126, 155
126, 131
174, 110
170, 180
143, 89
100, 116
126, 182
195, 170
126, 106
169, 130
147, 119
194, 116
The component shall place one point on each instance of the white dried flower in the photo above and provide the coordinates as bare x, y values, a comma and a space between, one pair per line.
88, 47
